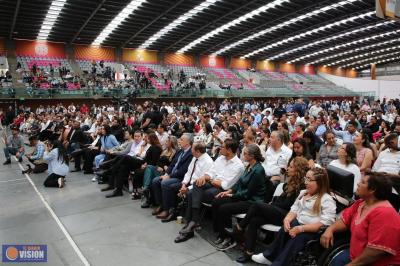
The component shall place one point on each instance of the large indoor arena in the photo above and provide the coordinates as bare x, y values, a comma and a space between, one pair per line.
200, 132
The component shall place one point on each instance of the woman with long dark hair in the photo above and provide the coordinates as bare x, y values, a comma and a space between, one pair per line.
347, 161
56, 157
274, 212
300, 149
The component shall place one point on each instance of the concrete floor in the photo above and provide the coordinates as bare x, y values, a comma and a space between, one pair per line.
107, 231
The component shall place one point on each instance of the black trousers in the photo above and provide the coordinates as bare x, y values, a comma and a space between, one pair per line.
52, 180
38, 168
119, 172
223, 209
88, 157
196, 196
284, 248
260, 214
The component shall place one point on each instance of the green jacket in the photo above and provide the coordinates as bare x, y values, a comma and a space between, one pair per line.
251, 185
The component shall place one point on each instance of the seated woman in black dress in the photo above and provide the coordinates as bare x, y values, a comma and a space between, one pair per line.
274, 212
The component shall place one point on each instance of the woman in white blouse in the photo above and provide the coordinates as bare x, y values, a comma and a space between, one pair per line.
347, 154
313, 209
57, 159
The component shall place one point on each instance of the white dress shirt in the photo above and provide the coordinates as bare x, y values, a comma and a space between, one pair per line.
275, 160
352, 168
163, 139
135, 148
221, 138
228, 171
388, 162
304, 209
204, 163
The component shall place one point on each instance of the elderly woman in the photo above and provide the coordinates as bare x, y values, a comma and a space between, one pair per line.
250, 188
274, 212
328, 151
313, 209
374, 226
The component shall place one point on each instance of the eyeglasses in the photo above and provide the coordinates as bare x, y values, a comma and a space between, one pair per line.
308, 180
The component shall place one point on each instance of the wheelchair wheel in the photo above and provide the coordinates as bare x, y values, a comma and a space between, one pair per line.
329, 254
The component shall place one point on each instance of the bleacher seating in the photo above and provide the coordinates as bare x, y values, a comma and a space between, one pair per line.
146, 69
86, 64
189, 70
43, 62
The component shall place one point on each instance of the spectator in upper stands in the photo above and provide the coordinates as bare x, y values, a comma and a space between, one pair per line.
374, 225
313, 209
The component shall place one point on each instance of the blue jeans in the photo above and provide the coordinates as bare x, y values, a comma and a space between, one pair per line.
165, 192
98, 159
341, 259
8, 151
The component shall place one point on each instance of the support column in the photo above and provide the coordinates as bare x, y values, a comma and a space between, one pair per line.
373, 71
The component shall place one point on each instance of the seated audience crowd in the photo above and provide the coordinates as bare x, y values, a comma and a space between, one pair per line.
267, 161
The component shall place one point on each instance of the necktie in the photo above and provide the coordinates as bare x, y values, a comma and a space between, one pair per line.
191, 175
177, 162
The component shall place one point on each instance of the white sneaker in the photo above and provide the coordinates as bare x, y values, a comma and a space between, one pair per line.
60, 182
259, 258
94, 179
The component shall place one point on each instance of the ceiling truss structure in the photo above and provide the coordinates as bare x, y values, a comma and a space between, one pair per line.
343, 33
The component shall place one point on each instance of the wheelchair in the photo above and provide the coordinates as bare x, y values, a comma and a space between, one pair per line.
315, 255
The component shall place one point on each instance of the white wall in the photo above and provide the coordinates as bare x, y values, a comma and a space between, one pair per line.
394, 77
382, 88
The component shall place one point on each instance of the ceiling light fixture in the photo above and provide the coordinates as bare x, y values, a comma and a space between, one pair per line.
310, 32
118, 19
232, 23
199, 8
282, 25
51, 17
333, 48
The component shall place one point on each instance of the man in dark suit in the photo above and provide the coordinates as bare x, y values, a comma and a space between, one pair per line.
166, 187
75, 138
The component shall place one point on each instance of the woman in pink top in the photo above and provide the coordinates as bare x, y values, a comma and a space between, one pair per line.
374, 225
364, 152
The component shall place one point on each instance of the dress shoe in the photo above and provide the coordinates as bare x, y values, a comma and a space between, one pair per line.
115, 193
76, 170
136, 196
189, 228
184, 237
162, 215
156, 211
171, 217
146, 196
8, 161
246, 257
107, 188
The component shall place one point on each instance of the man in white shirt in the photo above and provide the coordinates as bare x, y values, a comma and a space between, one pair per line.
162, 135
388, 160
224, 173
315, 109
276, 157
